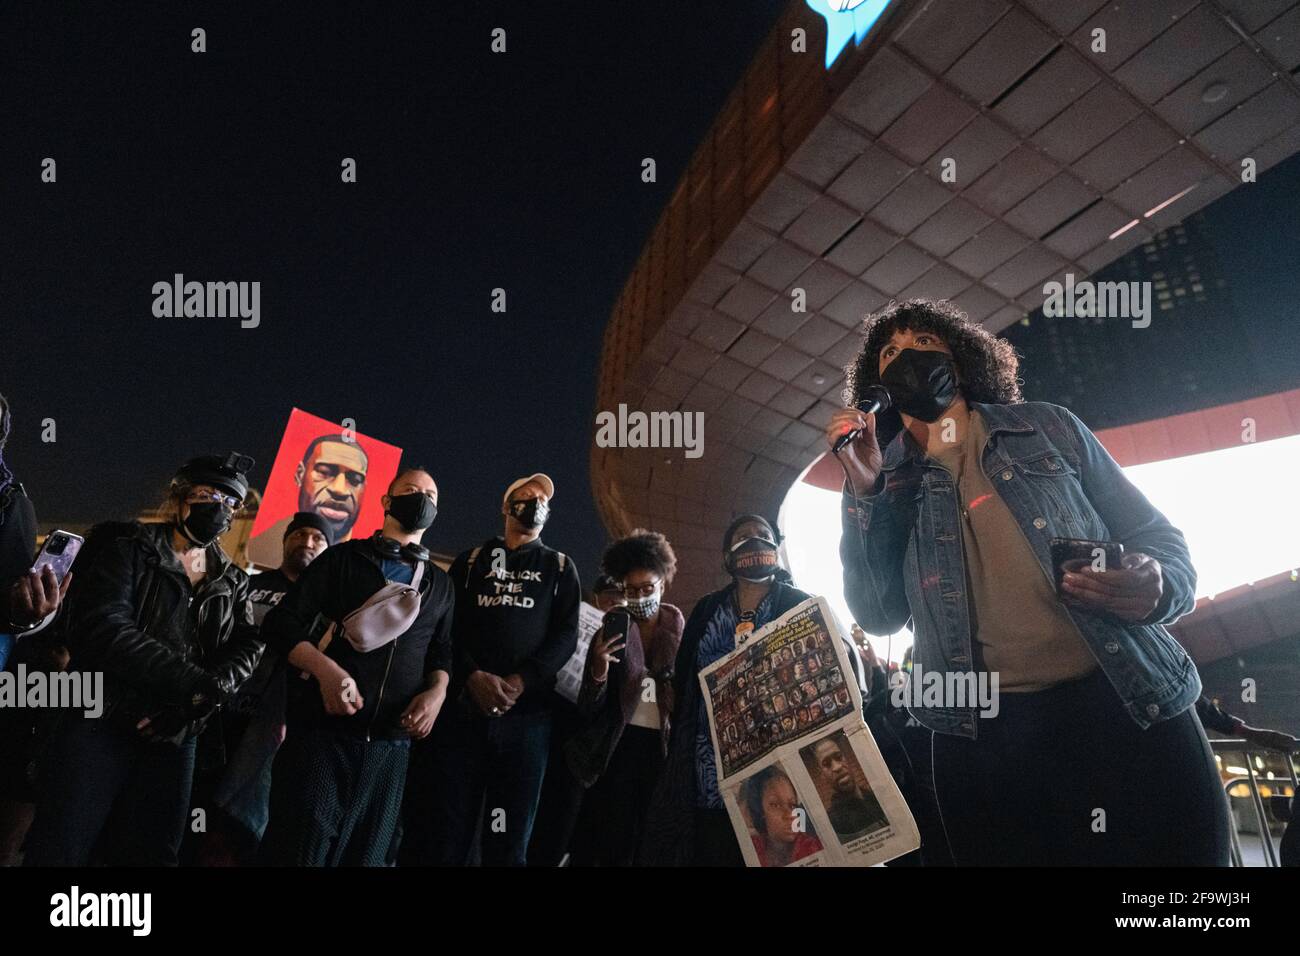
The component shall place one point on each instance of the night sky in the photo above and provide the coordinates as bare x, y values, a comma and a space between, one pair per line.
475, 170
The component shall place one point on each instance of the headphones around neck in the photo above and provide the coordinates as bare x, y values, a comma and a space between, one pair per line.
389, 548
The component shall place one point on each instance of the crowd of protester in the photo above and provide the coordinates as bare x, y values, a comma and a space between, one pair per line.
360, 706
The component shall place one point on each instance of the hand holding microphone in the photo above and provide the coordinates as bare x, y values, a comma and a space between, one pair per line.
851, 434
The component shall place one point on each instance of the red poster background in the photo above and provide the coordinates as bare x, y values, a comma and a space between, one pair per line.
281, 498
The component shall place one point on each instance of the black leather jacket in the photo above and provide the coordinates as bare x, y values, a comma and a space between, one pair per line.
132, 613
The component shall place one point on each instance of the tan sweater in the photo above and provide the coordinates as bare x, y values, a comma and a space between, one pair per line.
1018, 624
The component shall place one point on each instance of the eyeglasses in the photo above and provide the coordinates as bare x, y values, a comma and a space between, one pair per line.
226, 501
643, 591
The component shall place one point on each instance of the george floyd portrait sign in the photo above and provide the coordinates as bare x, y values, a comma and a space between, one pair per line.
327, 468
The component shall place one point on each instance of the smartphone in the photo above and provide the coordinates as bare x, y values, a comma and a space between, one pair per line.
1072, 554
58, 552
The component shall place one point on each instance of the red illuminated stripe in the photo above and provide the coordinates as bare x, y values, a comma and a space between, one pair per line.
1209, 429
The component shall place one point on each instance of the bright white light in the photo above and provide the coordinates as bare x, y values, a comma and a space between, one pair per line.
1236, 507
810, 521
1172, 199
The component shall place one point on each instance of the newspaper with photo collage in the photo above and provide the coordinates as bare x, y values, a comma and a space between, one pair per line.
801, 776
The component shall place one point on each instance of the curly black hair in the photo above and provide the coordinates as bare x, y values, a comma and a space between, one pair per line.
640, 550
987, 365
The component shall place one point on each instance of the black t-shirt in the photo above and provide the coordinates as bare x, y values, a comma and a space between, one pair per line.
516, 613
265, 591
853, 815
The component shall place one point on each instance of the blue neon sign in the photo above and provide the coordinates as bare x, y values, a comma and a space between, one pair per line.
846, 20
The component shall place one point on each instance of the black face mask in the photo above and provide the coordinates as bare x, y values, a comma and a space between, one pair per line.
414, 511
206, 522
921, 383
529, 512
753, 559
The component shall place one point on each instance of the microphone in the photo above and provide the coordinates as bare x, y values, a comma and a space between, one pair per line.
874, 399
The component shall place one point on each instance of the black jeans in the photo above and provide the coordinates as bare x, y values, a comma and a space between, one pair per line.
336, 800
613, 813
1064, 777
920, 796
483, 777
101, 780
562, 793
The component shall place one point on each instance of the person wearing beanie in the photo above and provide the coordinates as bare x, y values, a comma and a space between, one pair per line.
254, 723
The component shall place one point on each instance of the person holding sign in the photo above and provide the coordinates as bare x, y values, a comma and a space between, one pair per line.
379, 681
687, 824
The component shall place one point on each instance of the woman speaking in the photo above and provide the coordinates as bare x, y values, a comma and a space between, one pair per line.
1094, 753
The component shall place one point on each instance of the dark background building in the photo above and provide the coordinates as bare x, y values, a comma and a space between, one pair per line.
1067, 160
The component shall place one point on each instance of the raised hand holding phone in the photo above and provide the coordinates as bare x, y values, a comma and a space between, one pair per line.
38, 594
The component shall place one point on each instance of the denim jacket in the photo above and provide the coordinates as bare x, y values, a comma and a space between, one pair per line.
1058, 482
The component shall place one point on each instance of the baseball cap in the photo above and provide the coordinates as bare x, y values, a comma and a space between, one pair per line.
229, 474
547, 485
605, 582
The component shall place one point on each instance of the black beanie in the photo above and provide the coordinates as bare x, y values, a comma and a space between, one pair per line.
308, 519
745, 519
